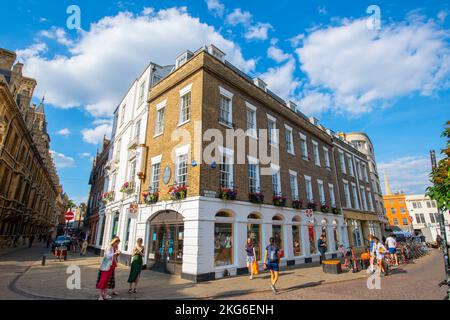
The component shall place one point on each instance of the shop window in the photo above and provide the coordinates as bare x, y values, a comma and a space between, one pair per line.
336, 238
223, 246
312, 239
277, 234
254, 233
296, 240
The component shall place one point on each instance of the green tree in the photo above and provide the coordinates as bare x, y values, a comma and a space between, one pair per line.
70, 204
440, 176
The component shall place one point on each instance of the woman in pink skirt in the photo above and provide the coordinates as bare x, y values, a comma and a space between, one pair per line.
107, 268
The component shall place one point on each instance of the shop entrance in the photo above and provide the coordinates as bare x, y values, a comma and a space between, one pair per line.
166, 242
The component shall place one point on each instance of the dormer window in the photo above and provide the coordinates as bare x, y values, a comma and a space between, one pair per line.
216, 52
260, 83
183, 58
291, 105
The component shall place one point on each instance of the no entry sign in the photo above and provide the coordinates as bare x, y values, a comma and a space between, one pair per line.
69, 215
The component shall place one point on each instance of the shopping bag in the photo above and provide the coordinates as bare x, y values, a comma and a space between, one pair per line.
255, 268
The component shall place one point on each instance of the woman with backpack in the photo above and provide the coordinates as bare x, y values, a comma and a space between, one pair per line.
272, 263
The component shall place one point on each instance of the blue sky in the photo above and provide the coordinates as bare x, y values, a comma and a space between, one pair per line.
393, 82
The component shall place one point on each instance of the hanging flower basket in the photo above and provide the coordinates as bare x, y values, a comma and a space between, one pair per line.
279, 201
228, 193
312, 205
324, 208
177, 192
150, 197
108, 197
256, 197
297, 204
127, 187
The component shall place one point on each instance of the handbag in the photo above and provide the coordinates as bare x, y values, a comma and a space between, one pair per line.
255, 268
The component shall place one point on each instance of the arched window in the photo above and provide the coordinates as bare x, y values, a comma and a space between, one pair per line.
254, 215
224, 214
223, 239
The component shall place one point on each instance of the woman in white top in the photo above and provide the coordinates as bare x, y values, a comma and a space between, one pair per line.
379, 250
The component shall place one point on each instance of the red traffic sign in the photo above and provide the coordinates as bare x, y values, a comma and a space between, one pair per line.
69, 215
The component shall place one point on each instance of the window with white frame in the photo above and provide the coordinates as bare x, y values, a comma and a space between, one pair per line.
364, 169
137, 129
132, 171
181, 169
363, 198
342, 162
369, 196
156, 171
294, 185
347, 195
321, 191
358, 169
308, 188
226, 169
350, 165
326, 155
251, 120
253, 175
355, 196
141, 92
225, 107
159, 123
332, 197
289, 139
272, 130
316, 153
122, 115
303, 146
185, 104
276, 181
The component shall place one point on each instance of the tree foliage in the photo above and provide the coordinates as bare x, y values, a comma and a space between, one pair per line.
440, 176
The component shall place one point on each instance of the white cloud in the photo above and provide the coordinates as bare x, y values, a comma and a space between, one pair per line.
296, 40
65, 132
96, 76
95, 135
238, 17
322, 10
215, 7
57, 34
277, 54
258, 32
84, 155
147, 11
409, 173
314, 103
61, 160
442, 15
281, 80
366, 69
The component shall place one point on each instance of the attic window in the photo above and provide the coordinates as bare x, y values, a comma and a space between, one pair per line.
260, 83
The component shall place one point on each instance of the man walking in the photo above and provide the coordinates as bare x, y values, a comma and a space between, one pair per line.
391, 243
322, 245
272, 263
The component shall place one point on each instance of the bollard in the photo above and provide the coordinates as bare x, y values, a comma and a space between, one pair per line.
43, 260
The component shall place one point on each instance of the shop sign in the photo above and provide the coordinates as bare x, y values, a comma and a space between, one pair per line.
133, 208
309, 213
209, 193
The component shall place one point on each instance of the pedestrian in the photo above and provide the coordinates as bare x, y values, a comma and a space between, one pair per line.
438, 240
372, 255
84, 247
251, 257
107, 267
379, 250
272, 263
136, 265
322, 246
30, 240
391, 243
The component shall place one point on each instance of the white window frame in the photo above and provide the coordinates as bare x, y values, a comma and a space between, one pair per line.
141, 93
308, 188
304, 143
363, 198
355, 195
254, 162
327, 158
289, 137
294, 185
342, 162
364, 168
332, 196
228, 156
251, 109
155, 161
272, 135
321, 189
160, 116
183, 93
350, 165
316, 153
224, 93
348, 202
276, 174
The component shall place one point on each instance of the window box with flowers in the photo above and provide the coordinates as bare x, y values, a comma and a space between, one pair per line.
324, 208
150, 197
177, 192
108, 197
256, 197
335, 210
297, 204
127, 187
279, 201
228, 193
312, 205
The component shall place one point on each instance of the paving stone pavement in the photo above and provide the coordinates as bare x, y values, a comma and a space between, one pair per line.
50, 281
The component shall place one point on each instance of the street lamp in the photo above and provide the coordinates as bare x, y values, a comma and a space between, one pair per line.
445, 246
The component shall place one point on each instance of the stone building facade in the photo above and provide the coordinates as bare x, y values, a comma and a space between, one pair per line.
28, 179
